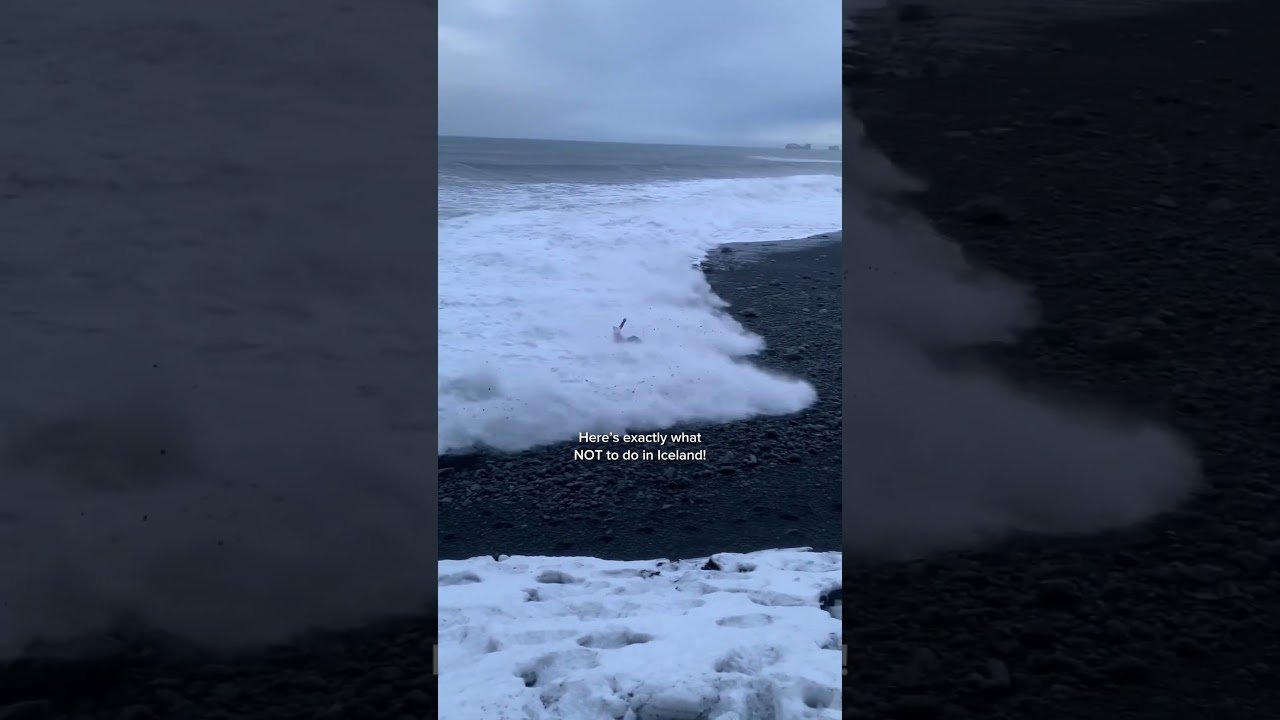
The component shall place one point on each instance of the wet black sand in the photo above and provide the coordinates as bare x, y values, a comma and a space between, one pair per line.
787, 495
1131, 163
766, 483
370, 673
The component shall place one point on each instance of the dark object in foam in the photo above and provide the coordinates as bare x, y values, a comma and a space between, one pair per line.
619, 337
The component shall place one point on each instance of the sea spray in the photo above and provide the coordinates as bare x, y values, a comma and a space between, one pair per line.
943, 458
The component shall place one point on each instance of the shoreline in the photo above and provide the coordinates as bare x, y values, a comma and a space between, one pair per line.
1135, 157
768, 482
342, 672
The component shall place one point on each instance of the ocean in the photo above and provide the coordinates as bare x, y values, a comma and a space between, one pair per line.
545, 246
214, 291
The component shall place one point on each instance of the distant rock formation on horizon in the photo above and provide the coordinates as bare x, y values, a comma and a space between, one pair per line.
793, 146
833, 147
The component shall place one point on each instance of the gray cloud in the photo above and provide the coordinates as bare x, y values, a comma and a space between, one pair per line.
716, 71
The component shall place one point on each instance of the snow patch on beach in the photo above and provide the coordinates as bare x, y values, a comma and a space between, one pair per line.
573, 638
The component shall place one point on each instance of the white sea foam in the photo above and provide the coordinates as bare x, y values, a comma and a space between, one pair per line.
772, 158
528, 296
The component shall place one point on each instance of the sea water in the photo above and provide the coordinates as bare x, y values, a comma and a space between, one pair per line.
215, 398
544, 246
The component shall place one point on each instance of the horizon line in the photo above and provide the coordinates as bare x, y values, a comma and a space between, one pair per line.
779, 146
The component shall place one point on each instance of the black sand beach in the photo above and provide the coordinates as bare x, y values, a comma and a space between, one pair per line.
765, 483
369, 673
1125, 166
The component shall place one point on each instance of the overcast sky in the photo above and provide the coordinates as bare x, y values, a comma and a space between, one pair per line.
724, 72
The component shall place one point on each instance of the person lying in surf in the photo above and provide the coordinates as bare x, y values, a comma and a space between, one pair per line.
619, 337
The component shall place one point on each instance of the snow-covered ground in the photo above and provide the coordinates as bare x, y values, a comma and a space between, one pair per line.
731, 637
